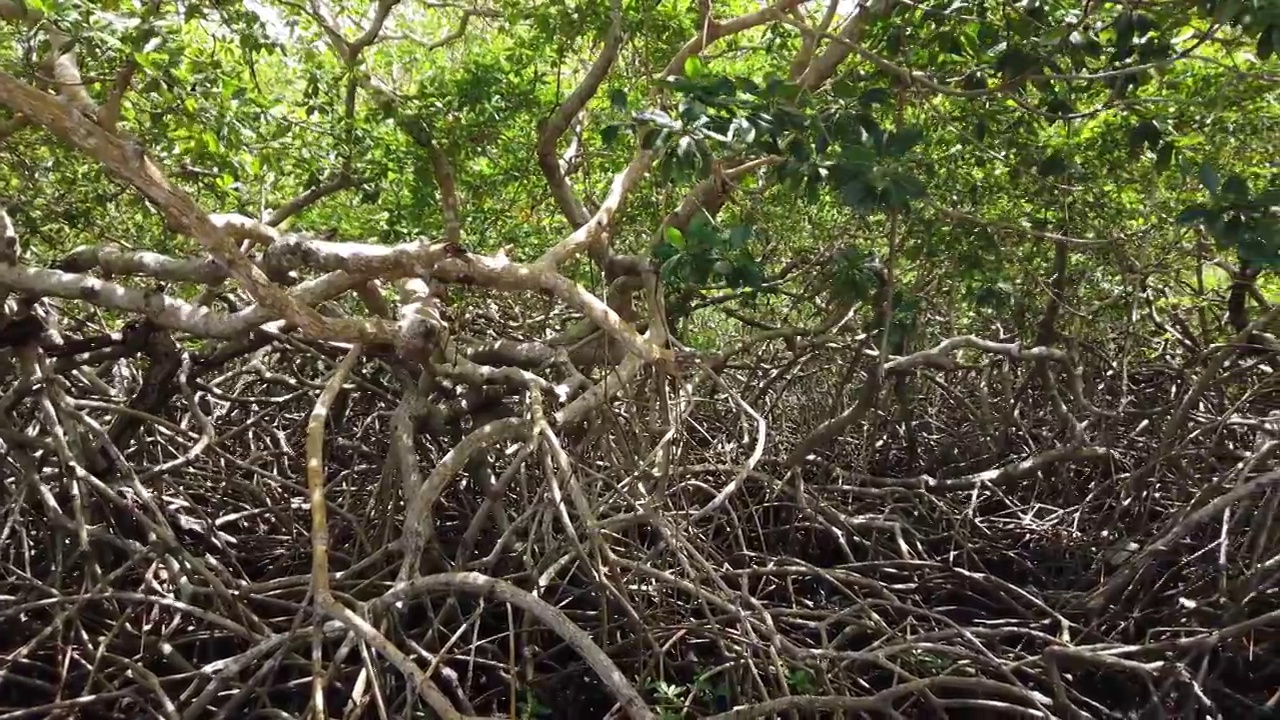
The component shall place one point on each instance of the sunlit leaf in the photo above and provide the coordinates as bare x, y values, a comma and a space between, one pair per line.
1209, 178
674, 237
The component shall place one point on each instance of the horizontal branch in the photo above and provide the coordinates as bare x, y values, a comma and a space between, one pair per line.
113, 261
443, 262
350, 263
939, 356
165, 311
990, 478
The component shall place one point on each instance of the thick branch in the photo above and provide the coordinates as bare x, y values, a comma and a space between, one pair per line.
710, 194
349, 50
593, 233
61, 62
165, 311
355, 261
441, 262
116, 262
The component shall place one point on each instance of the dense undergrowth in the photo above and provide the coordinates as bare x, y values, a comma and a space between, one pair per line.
728, 359
976, 576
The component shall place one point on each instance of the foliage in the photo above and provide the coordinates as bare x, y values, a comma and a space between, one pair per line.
936, 282
1238, 219
704, 253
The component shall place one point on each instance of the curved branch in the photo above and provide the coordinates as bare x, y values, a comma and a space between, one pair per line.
713, 31
555, 127
61, 60
322, 594
419, 523
339, 182
591, 234
709, 194
443, 262
484, 586
1130, 570
939, 357
416, 128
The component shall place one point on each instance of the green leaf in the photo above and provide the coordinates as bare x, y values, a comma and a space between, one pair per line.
911, 186
1142, 23
1268, 198
1124, 33
1236, 188
1227, 11
798, 149
775, 87
994, 296
720, 88
875, 96
666, 253
857, 194
1209, 178
1259, 253
845, 88
802, 681
1193, 214
1164, 157
974, 80
739, 236
857, 155
609, 134
1060, 106
692, 110
749, 273
1147, 133
1055, 164
651, 138
683, 84
674, 237
618, 99
693, 67
1015, 61
893, 41
821, 144
901, 190
1231, 232
901, 141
